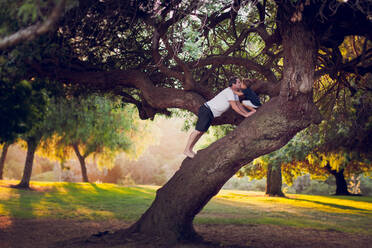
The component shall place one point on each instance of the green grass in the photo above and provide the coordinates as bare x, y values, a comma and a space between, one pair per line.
109, 201
75, 200
341, 213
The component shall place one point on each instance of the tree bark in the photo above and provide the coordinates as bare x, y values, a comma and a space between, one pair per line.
82, 164
274, 181
2, 159
274, 124
200, 178
341, 184
32, 144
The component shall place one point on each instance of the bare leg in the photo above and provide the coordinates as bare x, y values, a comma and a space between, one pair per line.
198, 136
194, 137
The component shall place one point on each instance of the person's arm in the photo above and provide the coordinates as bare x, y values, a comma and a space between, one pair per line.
239, 109
251, 110
238, 93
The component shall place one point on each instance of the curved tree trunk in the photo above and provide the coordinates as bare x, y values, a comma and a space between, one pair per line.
170, 217
31, 148
341, 184
82, 163
2, 159
274, 181
200, 178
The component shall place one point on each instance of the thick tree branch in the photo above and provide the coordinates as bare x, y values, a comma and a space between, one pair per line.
35, 30
263, 87
269, 40
156, 97
261, 10
145, 111
261, 29
235, 6
127, 98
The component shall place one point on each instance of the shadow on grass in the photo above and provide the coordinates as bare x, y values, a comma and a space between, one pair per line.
355, 198
21, 205
79, 200
329, 204
95, 201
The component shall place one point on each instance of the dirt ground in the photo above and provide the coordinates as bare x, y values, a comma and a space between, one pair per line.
25, 233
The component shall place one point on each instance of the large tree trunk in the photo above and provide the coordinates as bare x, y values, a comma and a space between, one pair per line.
200, 178
2, 158
31, 148
341, 184
82, 163
171, 215
274, 181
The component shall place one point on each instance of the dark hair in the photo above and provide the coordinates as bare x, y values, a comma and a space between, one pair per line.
232, 81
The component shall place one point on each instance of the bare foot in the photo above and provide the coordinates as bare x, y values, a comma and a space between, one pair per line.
189, 154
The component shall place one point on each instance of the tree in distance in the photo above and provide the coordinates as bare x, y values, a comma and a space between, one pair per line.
89, 126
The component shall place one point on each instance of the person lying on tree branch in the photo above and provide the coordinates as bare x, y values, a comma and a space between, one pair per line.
215, 108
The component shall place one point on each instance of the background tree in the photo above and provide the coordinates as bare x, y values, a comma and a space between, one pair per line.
141, 50
22, 101
339, 146
4, 151
38, 127
19, 21
270, 165
90, 126
342, 134
342, 144
15, 107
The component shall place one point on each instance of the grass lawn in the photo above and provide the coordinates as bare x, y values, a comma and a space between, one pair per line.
108, 201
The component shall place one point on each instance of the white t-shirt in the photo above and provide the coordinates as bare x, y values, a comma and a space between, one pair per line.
220, 103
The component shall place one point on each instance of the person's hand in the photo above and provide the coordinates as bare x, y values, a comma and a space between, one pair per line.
248, 114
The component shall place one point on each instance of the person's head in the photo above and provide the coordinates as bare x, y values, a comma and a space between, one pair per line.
243, 84
234, 83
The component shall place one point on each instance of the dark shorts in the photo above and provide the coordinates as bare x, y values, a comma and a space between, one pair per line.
205, 118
